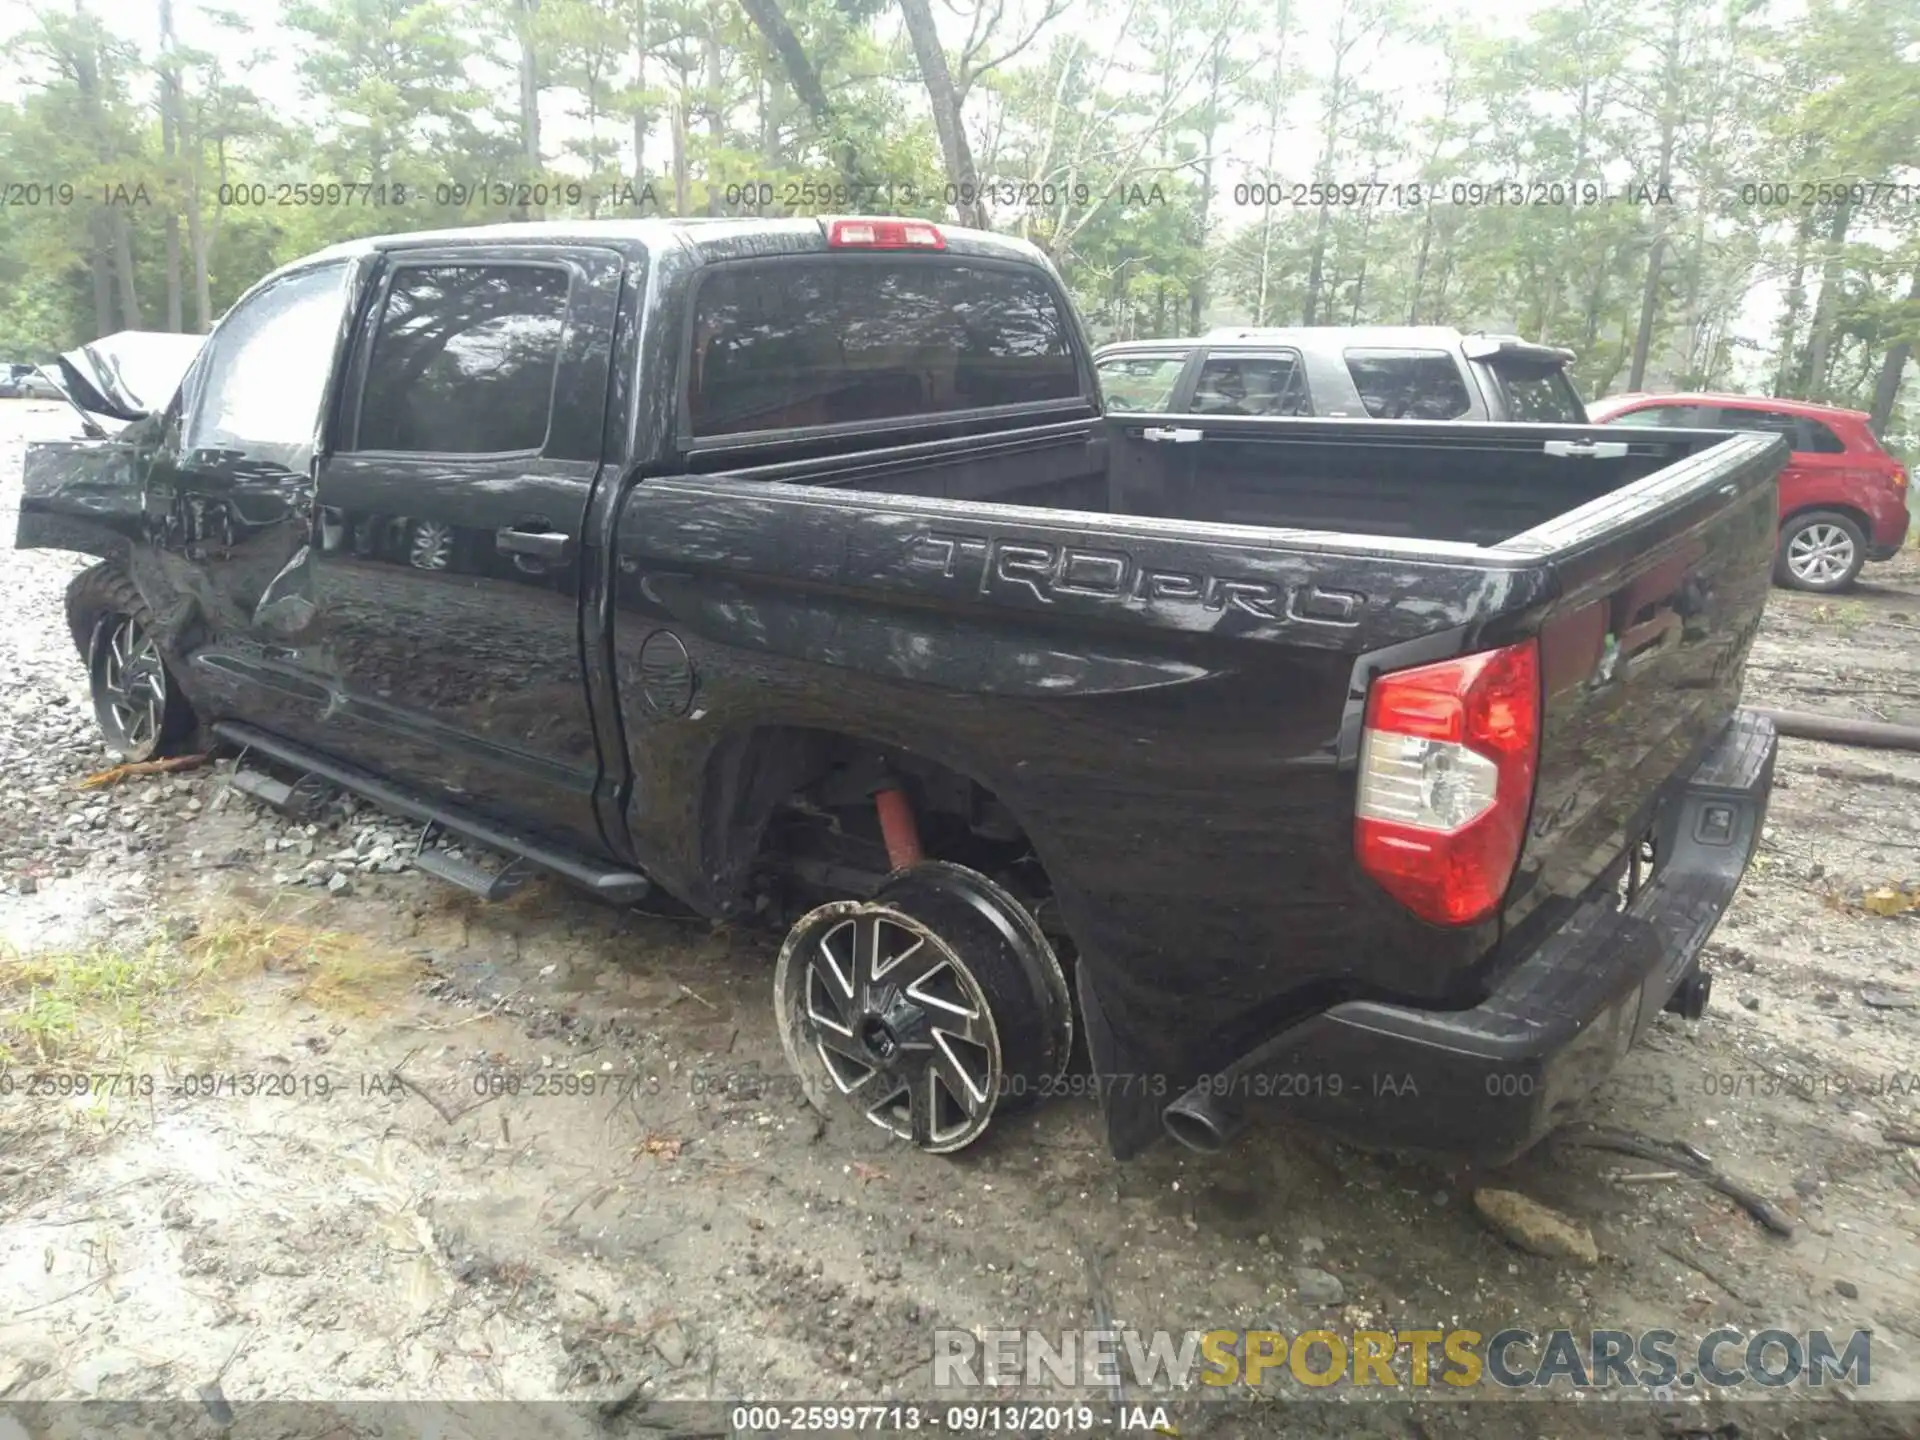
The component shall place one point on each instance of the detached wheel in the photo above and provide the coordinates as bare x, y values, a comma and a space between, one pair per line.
139, 708
1821, 550
925, 1010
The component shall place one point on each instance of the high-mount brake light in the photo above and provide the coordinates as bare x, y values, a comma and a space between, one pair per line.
1447, 763
885, 235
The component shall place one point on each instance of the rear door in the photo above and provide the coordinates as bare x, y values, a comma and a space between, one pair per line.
1246, 382
449, 557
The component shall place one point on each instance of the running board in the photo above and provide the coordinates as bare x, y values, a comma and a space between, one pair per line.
487, 884
619, 886
299, 801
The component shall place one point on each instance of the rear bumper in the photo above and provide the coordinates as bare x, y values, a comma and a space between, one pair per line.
1889, 534
1490, 1081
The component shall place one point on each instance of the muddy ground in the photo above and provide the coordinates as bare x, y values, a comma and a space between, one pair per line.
547, 1149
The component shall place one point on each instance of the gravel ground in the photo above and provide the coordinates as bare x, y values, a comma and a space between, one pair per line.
546, 1149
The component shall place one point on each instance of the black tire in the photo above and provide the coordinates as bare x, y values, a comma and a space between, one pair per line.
924, 1010
136, 697
1821, 551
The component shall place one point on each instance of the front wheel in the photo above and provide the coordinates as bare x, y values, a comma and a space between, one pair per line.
140, 709
1821, 550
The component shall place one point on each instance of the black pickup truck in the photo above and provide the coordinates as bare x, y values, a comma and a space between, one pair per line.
1388, 772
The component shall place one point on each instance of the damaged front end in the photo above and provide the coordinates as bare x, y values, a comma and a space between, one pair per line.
88, 494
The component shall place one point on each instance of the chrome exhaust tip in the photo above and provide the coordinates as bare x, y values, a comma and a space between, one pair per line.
1199, 1122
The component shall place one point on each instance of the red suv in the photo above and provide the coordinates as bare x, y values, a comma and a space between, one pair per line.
1843, 500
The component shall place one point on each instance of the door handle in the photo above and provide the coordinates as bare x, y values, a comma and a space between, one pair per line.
1586, 449
1178, 434
554, 545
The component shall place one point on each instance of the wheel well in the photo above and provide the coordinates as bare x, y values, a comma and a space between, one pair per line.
1858, 517
788, 820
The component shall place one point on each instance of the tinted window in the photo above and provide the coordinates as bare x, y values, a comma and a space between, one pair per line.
831, 341
1774, 422
266, 369
464, 359
1140, 382
1251, 385
1671, 416
1821, 440
1409, 384
1538, 393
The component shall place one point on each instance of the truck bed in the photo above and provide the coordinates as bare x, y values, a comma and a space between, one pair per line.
1475, 484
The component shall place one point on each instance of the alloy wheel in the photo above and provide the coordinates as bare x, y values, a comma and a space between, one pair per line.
133, 685
901, 1027
1820, 554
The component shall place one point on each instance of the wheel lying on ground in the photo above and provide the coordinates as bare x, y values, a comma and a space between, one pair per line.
1820, 550
926, 1009
139, 706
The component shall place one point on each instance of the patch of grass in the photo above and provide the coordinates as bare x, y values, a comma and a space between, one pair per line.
333, 969
107, 1001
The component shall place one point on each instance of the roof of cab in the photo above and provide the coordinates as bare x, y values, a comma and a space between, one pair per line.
714, 237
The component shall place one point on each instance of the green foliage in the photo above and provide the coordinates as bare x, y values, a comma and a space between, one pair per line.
1157, 150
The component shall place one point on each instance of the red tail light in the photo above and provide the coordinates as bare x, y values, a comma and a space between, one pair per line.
885, 235
1447, 764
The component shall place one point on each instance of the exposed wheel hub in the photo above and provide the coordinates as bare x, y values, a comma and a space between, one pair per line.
894, 1028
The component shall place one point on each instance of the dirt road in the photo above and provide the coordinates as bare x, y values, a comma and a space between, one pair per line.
373, 1140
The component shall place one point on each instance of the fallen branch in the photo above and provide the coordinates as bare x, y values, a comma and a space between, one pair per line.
103, 778
1804, 725
1666, 1152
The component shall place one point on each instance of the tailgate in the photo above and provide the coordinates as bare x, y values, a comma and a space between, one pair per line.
1662, 585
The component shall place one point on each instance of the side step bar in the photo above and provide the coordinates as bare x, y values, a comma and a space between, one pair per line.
299, 801
620, 886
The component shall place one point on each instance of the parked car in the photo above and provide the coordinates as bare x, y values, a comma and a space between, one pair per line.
1388, 772
1386, 372
1843, 499
26, 382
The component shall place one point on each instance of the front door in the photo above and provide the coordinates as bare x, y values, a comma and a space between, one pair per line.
229, 502
449, 559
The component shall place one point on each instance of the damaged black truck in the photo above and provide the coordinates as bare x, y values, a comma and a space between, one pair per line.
1390, 774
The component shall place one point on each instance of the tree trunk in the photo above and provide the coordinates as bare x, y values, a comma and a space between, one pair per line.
1796, 304
169, 149
524, 12
711, 103
1893, 367
130, 316
1670, 102
1329, 141
640, 116
772, 24
1197, 291
100, 265
680, 196
947, 120
1813, 375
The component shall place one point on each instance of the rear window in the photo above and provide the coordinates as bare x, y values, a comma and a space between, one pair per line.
1821, 440
830, 341
1774, 422
1140, 382
1409, 384
1541, 394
